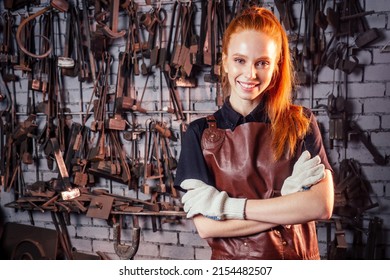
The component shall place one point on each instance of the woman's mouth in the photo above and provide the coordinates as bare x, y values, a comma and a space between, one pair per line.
247, 85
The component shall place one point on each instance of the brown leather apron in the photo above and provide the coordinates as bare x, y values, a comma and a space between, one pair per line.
243, 166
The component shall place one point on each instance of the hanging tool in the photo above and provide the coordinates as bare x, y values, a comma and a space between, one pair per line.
52, 147
122, 250
60, 5
112, 30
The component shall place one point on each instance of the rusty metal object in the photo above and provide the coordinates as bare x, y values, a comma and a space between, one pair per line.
100, 207
112, 30
68, 192
151, 206
60, 5
63, 235
127, 251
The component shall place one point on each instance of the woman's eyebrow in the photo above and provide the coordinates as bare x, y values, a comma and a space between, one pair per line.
266, 57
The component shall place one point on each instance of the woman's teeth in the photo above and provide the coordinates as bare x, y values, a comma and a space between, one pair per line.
247, 85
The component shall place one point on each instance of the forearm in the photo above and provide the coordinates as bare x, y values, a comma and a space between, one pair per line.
228, 228
300, 207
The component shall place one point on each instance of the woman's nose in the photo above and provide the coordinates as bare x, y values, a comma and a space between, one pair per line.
250, 72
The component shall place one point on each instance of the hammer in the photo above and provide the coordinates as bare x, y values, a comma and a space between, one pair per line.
69, 192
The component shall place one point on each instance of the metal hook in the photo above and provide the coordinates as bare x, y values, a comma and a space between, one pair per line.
19, 32
112, 31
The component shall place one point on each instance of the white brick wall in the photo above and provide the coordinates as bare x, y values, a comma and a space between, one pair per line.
368, 104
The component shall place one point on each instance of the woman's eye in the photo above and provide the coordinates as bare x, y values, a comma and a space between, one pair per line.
239, 60
262, 64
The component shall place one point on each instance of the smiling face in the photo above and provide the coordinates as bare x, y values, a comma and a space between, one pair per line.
249, 64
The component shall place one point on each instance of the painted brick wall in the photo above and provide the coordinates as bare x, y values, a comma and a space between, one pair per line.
368, 104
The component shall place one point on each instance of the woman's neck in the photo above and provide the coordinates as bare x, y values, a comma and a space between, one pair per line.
242, 106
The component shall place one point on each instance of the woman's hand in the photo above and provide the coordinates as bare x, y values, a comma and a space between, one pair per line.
204, 199
307, 171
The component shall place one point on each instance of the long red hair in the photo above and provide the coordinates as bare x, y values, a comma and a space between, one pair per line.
288, 122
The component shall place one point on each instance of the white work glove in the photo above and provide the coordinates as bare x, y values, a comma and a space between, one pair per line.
204, 199
307, 171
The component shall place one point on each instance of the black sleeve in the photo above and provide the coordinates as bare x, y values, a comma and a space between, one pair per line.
313, 141
191, 164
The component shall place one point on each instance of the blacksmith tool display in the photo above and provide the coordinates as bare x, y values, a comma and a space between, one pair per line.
138, 65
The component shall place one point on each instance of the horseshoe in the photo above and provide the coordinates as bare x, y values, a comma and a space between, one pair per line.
126, 251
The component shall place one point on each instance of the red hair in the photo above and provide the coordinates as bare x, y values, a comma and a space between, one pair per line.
288, 122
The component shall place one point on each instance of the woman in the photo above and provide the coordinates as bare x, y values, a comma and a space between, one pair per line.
255, 173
